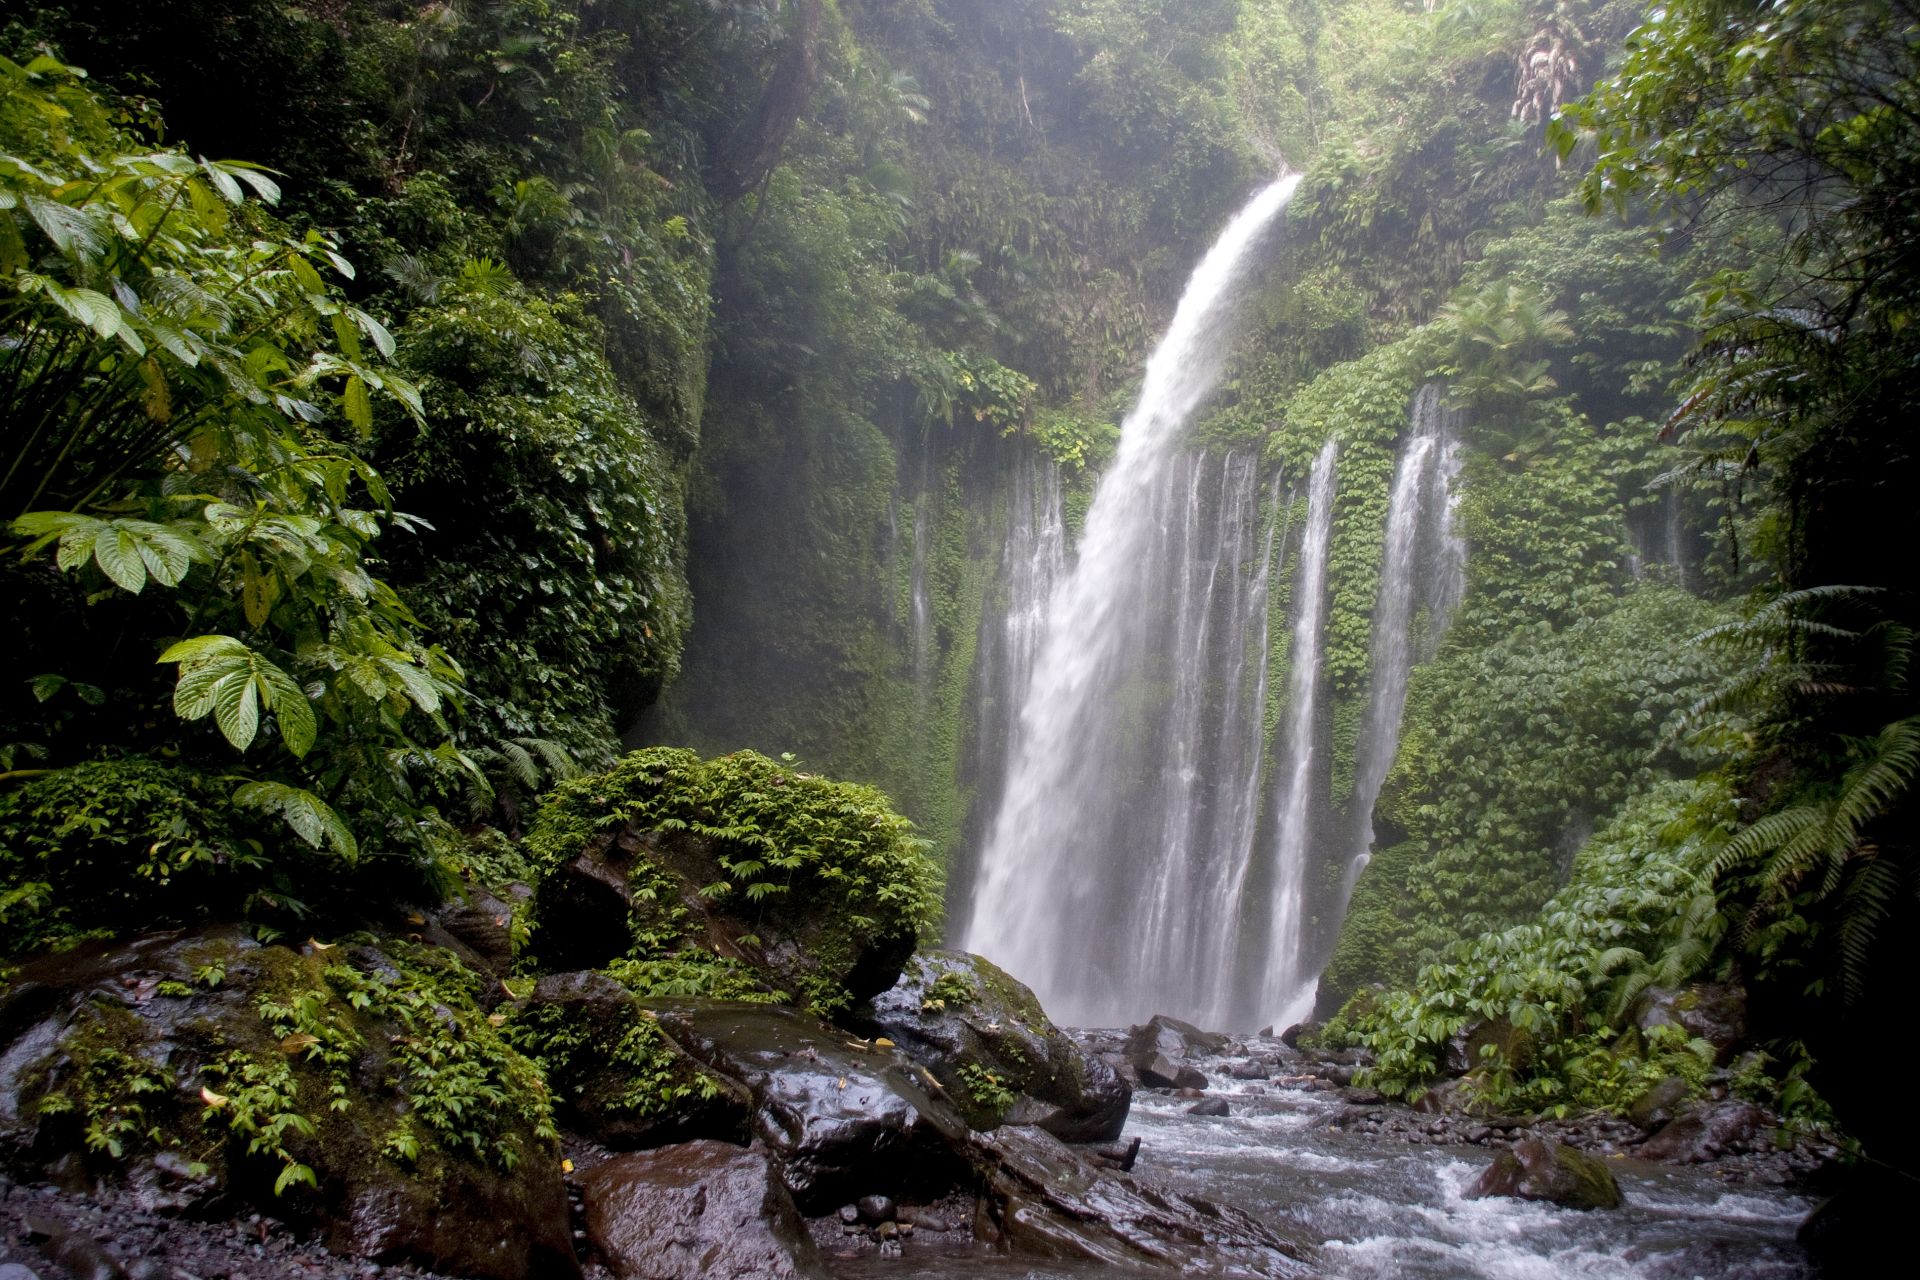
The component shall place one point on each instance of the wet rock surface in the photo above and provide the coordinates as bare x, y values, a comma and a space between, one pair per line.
846, 1118
699, 1209
1044, 1199
959, 1015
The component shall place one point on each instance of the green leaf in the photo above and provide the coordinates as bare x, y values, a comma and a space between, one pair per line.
358, 404
236, 709
117, 552
311, 818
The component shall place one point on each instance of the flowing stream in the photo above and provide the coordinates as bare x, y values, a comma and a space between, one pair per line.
1102, 872
1382, 1208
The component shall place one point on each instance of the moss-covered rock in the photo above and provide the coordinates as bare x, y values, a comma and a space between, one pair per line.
987, 1040
1542, 1169
360, 1087
771, 879
616, 1076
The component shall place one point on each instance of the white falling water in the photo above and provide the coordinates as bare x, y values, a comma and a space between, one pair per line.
1080, 893
1425, 564
1289, 976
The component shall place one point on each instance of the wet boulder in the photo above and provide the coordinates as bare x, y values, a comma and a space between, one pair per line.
1157, 1071
616, 1076
1708, 1132
358, 1088
844, 1117
1173, 1038
1542, 1169
993, 1049
1210, 1107
1043, 1199
696, 1210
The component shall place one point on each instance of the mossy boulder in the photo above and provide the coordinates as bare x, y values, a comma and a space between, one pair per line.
360, 1088
986, 1039
815, 889
1542, 1169
616, 1076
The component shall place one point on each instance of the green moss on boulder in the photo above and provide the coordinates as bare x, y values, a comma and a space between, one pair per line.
761, 877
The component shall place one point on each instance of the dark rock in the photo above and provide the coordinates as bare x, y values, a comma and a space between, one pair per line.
1542, 1169
144, 1007
841, 1117
1211, 1107
697, 1210
957, 1015
1715, 1012
849, 1214
1044, 1199
1157, 1071
1660, 1104
481, 922
874, 1210
1249, 1070
1120, 1158
1707, 1132
1172, 1038
618, 1078
587, 906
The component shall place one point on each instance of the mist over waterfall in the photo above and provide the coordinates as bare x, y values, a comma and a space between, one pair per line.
1090, 885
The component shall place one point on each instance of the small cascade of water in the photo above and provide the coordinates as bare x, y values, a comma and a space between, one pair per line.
1089, 888
1287, 991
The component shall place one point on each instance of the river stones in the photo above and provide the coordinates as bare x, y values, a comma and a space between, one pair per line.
1173, 1038
700, 1209
1542, 1169
993, 1049
1210, 1107
844, 1118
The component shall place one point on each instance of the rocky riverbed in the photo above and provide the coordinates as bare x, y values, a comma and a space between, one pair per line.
927, 1135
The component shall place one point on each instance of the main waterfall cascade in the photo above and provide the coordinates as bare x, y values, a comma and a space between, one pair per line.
1086, 888
1147, 835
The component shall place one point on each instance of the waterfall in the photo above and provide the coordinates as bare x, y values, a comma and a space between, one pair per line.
1287, 993
1091, 887
1422, 550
